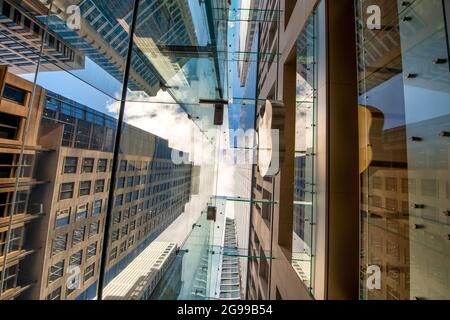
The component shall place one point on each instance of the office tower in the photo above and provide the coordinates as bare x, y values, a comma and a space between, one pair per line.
70, 180
22, 36
163, 27
230, 278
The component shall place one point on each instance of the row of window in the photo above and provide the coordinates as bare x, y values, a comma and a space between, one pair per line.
87, 165
67, 189
128, 165
60, 243
63, 217
56, 272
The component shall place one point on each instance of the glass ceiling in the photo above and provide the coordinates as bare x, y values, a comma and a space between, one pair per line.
184, 61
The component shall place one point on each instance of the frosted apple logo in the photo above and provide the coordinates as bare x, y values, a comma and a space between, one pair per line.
373, 277
374, 18
268, 143
73, 17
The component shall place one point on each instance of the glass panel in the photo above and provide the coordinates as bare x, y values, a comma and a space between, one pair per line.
404, 81
178, 183
305, 154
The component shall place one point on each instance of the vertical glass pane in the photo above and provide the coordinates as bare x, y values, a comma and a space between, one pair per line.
404, 81
304, 185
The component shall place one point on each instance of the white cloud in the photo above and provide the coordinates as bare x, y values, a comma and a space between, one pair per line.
161, 116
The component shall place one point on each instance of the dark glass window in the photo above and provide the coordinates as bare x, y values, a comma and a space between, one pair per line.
66, 191
102, 165
59, 244
14, 94
89, 272
78, 235
88, 165
85, 188
99, 185
9, 126
56, 271
70, 164
121, 183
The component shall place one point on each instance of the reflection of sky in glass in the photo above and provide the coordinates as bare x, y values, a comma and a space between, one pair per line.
388, 97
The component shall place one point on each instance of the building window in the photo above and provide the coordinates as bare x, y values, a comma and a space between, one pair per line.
124, 231
119, 200
113, 254
14, 94
91, 250
121, 183
123, 247
82, 212
78, 235
9, 126
66, 191
15, 243
102, 165
88, 165
89, 272
130, 181
130, 241
62, 218
85, 188
76, 259
115, 235
99, 185
59, 244
116, 217
123, 165
55, 294
131, 166
128, 197
94, 228
56, 271
97, 209
10, 277
70, 164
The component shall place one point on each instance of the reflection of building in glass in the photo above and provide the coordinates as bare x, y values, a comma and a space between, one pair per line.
230, 282
404, 97
74, 166
104, 37
21, 41
17, 210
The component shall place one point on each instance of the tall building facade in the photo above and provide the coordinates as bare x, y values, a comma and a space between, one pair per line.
359, 207
70, 180
16, 208
23, 35
104, 32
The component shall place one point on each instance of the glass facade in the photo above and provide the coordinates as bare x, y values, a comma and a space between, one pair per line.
403, 101
184, 150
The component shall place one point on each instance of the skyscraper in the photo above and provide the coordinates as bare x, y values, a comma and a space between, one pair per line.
73, 168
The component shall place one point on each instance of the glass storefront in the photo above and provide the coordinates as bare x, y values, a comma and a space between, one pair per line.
117, 120
404, 95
